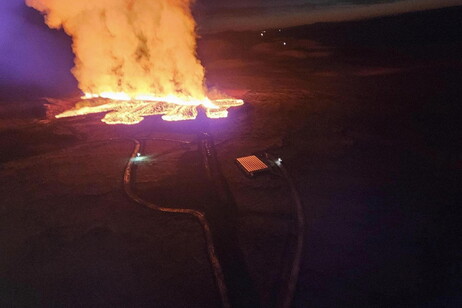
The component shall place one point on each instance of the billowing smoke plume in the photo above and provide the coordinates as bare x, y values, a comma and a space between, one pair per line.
138, 47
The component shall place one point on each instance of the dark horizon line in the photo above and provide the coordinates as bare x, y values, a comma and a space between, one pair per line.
281, 18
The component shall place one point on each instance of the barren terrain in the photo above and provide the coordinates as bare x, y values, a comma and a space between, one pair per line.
365, 118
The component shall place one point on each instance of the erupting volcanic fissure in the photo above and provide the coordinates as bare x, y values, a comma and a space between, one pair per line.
134, 58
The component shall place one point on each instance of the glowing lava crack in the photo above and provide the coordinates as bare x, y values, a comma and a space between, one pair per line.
129, 111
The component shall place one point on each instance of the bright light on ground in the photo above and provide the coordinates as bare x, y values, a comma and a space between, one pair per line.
140, 158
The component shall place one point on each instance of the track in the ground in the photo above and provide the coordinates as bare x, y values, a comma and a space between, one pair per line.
222, 216
221, 213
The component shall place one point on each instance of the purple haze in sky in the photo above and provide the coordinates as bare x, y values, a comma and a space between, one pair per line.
31, 55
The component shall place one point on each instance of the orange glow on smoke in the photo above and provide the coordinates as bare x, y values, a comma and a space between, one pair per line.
134, 58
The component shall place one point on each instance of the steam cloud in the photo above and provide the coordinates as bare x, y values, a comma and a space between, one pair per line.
132, 46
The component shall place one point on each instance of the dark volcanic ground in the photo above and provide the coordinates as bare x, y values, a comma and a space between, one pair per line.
364, 114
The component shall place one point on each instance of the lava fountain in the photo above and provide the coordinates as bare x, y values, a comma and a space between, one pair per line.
134, 58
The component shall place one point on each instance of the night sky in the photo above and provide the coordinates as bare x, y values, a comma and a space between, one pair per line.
33, 55
217, 15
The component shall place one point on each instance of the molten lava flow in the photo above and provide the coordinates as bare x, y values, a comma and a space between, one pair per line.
134, 58
122, 109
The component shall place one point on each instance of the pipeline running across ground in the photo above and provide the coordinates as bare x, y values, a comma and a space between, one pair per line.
217, 270
290, 276
199, 216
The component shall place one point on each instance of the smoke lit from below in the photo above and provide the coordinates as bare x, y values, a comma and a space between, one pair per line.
134, 58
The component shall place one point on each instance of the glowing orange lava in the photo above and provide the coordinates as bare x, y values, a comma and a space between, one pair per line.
121, 108
126, 50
